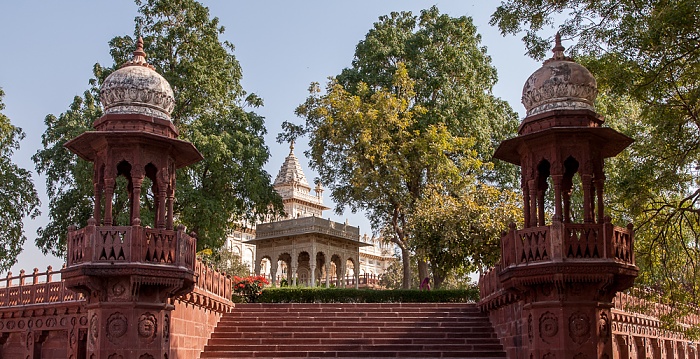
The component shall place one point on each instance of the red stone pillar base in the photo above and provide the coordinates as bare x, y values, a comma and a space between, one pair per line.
576, 330
127, 331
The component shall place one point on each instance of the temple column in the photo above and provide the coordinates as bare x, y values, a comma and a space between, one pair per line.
586, 183
109, 194
312, 274
540, 207
357, 272
273, 273
557, 179
343, 272
170, 204
328, 273
256, 266
136, 182
526, 204
599, 186
160, 211
532, 186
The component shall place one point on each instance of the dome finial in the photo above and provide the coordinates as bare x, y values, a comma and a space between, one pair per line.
139, 49
291, 147
139, 58
558, 49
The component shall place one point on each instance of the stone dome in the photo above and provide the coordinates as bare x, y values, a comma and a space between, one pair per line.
136, 88
560, 84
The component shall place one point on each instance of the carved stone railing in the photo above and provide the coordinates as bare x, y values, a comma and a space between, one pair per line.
307, 225
568, 242
48, 287
212, 280
491, 291
130, 244
42, 289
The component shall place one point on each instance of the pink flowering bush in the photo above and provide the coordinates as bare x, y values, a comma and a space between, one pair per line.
250, 288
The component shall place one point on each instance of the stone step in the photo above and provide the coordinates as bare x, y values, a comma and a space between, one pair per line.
340, 328
352, 354
301, 335
426, 322
354, 330
215, 342
358, 347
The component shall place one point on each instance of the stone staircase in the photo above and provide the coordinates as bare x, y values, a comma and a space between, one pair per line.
354, 330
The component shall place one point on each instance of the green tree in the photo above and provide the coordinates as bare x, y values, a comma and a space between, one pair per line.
458, 229
645, 57
225, 261
18, 198
211, 110
414, 109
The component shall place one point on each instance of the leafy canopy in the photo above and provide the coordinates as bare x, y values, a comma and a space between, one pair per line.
458, 229
414, 110
211, 110
18, 197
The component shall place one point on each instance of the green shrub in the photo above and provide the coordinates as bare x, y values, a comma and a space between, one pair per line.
346, 295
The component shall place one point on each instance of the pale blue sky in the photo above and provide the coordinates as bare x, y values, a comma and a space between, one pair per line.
49, 48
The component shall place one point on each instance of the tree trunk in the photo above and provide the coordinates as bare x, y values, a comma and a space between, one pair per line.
406, 260
438, 277
422, 270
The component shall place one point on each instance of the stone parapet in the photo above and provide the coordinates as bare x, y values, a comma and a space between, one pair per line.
130, 244
308, 225
561, 242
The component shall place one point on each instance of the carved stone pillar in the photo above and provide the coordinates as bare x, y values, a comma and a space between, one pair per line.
557, 180
540, 208
587, 185
532, 186
109, 195
599, 187
526, 203
312, 266
160, 215
256, 266
357, 272
273, 273
171, 204
136, 182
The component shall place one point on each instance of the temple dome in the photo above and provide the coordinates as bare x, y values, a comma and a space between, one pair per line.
560, 84
136, 88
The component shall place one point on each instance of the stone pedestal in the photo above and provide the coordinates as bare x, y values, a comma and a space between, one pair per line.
128, 275
566, 276
122, 331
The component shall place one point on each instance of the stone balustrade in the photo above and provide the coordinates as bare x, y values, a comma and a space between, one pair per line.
575, 241
43, 288
213, 281
130, 244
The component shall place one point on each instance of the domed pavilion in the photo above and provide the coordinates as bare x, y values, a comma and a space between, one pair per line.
564, 267
126, 271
